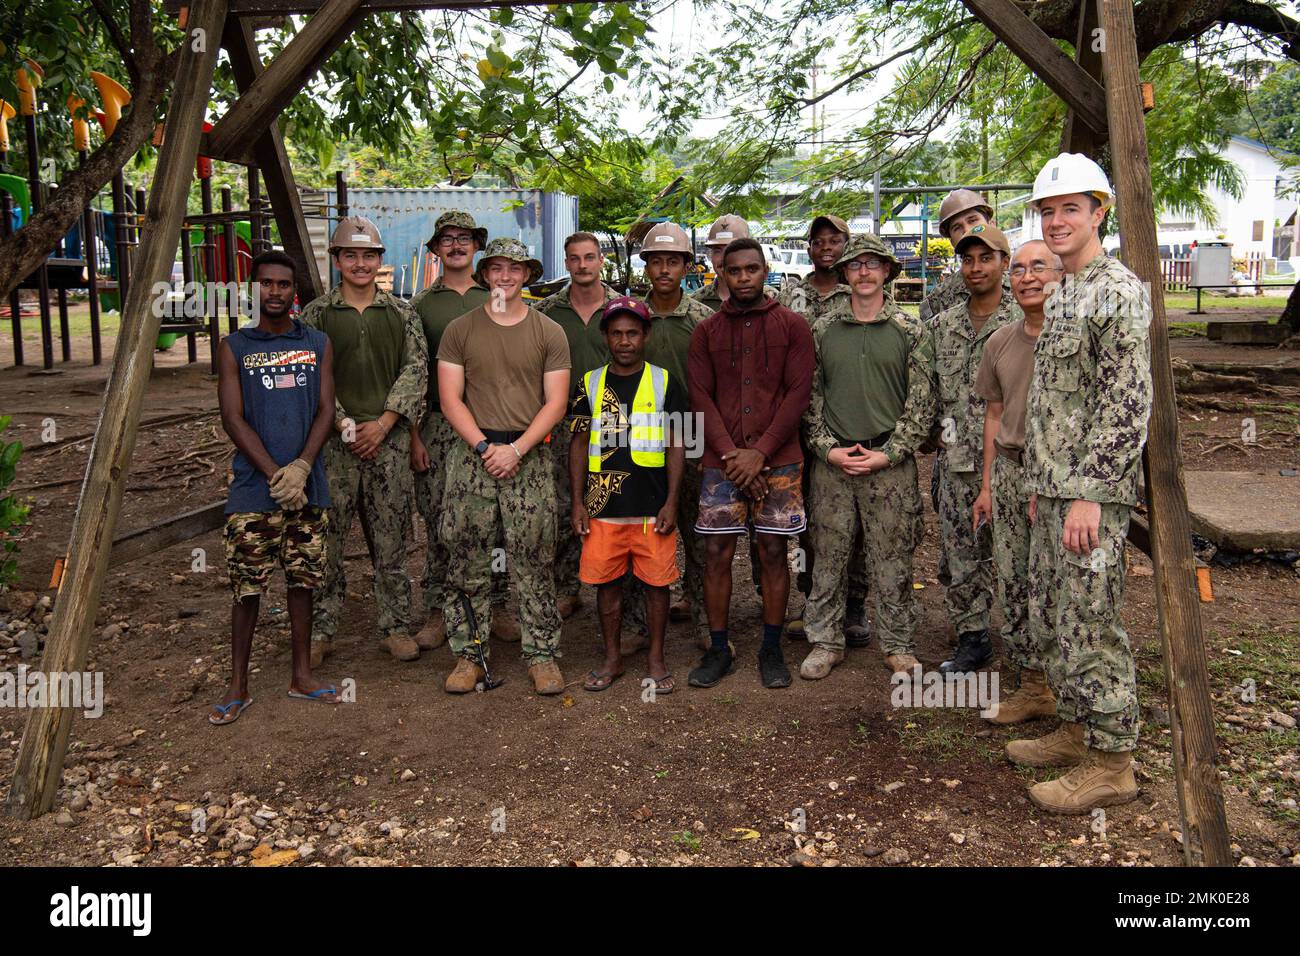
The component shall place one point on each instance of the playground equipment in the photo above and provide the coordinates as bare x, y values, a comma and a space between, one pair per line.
217, 246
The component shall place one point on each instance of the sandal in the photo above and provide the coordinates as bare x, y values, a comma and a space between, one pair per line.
223, 712
665, 684
595, 681
320, 695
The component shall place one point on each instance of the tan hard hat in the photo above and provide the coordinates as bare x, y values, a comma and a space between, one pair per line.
985, 234
957, 202
725, 229
666, 237
356, 232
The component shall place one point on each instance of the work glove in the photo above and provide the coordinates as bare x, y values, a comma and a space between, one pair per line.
288, 483
297, 503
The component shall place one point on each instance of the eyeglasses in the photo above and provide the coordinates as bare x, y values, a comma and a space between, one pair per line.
857, 265
455, 240
1037, 269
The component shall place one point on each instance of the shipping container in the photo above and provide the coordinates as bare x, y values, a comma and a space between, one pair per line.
405, 217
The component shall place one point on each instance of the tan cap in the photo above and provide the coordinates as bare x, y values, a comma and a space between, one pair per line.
957, 202
666, 237
725, 229
356, 232
835, 222
985, 234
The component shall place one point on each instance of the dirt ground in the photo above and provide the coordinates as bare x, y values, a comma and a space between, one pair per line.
823, 773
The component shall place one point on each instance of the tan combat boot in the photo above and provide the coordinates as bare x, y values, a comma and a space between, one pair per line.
1033, 698
901, 663
1102, 780
463, 679
434, 633
401, 646
547, 678
319, 651
1063, 747
568, 605
505, 626
819, 662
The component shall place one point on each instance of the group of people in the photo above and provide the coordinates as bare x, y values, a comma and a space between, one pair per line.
574, 441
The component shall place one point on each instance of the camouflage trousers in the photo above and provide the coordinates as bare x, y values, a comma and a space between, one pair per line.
524, 505
857, 589
692, 581
884, 508
439, 437
969, 594
382, 487
568, 548
1011, 556
1074, 619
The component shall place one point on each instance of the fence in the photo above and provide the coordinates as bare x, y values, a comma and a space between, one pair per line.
1177, 271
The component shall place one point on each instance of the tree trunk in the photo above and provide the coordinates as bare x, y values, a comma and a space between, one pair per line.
22, 252
1291, 314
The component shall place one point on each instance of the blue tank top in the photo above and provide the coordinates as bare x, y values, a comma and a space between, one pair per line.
279, 376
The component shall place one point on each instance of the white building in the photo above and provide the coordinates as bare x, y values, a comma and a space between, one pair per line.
1262, 222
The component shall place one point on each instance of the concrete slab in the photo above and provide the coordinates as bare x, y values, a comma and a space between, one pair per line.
1243, 510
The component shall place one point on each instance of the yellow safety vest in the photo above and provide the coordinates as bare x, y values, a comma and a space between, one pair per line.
646, 441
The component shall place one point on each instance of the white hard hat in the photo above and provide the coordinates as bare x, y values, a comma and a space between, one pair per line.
1071, 173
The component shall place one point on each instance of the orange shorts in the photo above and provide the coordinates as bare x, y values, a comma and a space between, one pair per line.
607, 550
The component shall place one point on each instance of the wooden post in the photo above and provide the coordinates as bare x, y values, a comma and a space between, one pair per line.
15, 303
39, 765
42, 274
1078, 136
273, 164
1191, 713
231, 264
89, 252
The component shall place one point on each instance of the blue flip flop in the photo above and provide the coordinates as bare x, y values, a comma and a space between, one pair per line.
318, 695
239, 706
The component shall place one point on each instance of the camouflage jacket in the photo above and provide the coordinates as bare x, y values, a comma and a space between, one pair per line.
801, 296
406, 396
951, 291
1090, 397
913, 426
709, 296
959, 412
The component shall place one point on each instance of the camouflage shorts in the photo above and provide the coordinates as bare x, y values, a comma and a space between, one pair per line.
256, 541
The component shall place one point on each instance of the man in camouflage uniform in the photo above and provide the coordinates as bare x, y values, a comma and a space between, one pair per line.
456, 240
1003, 382
577, 308
959, 336
814, 295
503, 378
724, 229
380, 376
1086, 422
872, 405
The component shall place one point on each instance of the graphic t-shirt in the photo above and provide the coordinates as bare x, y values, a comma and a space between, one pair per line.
622, 488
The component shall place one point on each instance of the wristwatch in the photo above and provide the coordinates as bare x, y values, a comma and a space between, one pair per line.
482, 447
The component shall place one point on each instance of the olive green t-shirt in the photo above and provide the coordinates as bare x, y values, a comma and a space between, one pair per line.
368, 356
437, 306
504, 365
587, 348
1005, 371
864, 368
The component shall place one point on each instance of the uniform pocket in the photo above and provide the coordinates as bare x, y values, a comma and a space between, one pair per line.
1060, 362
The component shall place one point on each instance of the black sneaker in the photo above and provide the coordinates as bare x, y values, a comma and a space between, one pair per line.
974, 650
772, 669
857, 629
714, 665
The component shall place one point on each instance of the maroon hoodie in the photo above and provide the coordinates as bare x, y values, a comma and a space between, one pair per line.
750, 372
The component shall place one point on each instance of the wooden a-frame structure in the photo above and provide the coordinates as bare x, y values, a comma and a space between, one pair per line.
1105, 114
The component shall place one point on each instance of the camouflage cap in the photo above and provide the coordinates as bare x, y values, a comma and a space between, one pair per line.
456, 219
356, 232
870, 244
504, 247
